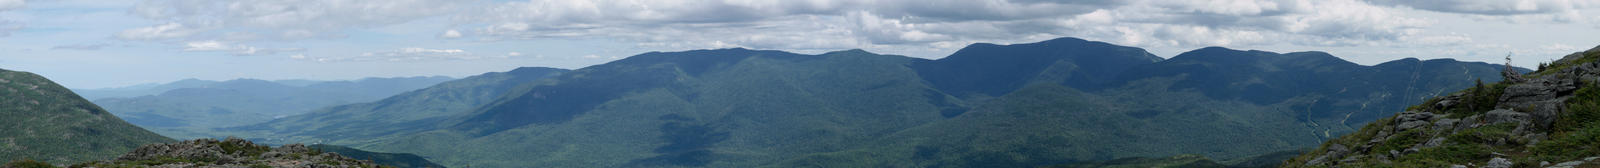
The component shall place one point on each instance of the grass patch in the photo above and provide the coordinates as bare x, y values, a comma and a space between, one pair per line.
247, 149
28, 163
1569, 146
1485, 134
1400, 141
1443, 156
1348, 140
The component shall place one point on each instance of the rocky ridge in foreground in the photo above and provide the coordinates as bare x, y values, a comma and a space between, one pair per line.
213, 153
1548, 118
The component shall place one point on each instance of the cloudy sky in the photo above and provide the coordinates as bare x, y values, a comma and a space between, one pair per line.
109, 43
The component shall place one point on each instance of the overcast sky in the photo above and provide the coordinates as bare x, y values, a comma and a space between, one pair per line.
109, 43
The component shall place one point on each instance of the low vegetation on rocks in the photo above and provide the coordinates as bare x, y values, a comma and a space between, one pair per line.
209, 153
1549, 118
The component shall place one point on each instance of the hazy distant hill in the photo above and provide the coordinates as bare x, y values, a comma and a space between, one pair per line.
190, 108
1059, 101
141, 89
414, 111
43, 121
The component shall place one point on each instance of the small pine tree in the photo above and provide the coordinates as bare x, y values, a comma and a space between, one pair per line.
1477, 91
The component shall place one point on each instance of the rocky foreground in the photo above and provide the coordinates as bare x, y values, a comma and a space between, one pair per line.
213, 153
1549, 118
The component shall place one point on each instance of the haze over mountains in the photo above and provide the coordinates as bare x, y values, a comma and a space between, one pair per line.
1052, 102
189, 109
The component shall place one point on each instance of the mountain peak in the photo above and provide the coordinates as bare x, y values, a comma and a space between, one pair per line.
535, 69
850, 51
997, 69
1068, 40
1221, 55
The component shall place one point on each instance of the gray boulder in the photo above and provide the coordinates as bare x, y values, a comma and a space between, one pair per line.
1543, 89
1506, 116
1498, 163
1411, 120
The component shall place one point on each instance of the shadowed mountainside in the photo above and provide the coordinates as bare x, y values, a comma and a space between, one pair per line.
43, 121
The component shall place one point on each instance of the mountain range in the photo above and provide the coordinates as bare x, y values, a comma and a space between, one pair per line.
189, 109
1060, 101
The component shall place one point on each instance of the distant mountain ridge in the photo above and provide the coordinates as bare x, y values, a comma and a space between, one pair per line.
190, 108
411, 111
1022, 105
40, 120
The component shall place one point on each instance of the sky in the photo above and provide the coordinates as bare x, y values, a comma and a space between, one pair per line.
113, 43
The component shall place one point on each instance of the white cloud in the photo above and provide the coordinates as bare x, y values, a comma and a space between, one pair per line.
12, 4
235, 49
92, 46
450, 34
6, 27
812, 24
289, 19
1559, 47
409, 54
828, 25
881, 25
157, 32
890, 31
1494, 7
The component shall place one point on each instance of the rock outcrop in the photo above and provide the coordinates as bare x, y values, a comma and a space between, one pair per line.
1548, 118
228, 153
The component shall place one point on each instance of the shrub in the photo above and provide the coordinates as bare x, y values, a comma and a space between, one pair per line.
1478, 99
1570, 145
28, 163
1401, 141
1457, 153
1582, 110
